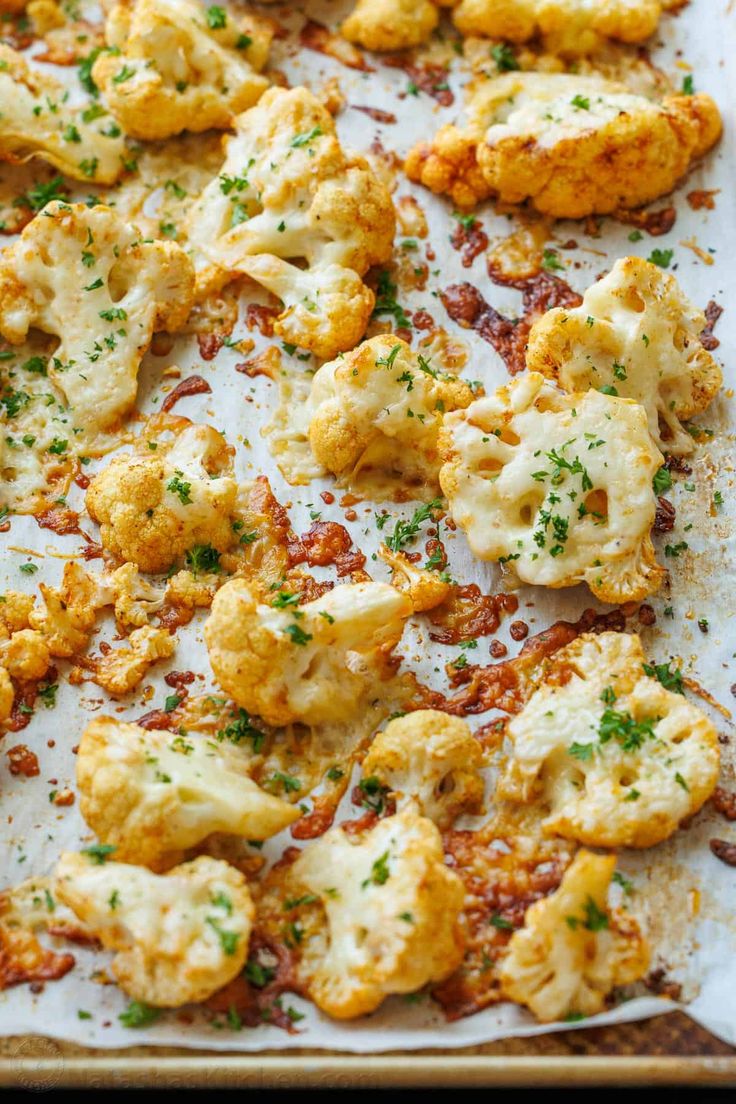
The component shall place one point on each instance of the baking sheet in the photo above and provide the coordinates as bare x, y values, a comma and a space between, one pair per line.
684, 897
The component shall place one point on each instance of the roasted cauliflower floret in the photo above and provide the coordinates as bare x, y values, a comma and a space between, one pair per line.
557, 487
432, 759
573, 951
288, 194
314, 662
568, 27
391, 24
614, 758
425, 588
37, 122
25, 655
178, 936
375, 415
154, 794
391, 914
571, 145
7, 695
135, 598
122, 669
81, 274
153, 506
67, 616
176, 67
637, 335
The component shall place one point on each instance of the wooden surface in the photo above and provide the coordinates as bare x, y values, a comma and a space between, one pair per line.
667, 1049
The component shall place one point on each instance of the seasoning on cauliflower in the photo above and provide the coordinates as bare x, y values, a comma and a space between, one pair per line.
391, 24
36, 121
637, 335
313, 662
82, 274
287, 194
389, 917
572, 145
375, 415
614, 758
153, 506
154, 794
67, 617
557, 487
430, 758
568, 27
122, 669
573, 951
425, 588
173, 67
135, 599
179, 936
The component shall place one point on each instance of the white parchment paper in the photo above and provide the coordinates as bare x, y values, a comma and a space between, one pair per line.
684, 897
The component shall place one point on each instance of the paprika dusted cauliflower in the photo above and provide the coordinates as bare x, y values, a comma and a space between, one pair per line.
81, 274
121, 670
568, 27
430, 758
557, 487
375, 415
313, 662
637, 335
573, 951
153, 506
288, 194
36, 121
571, 145
615, 758
391, 24
178, 937
425, 587
67, 617
176, 66
391, 914
154, 794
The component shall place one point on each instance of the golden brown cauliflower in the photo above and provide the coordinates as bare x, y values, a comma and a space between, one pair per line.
82, 274
153, 506
135, 598
425, 587
178, 937
391, 914
25, 655
313, 662
557, 487
37, 122
573, 951
155, 794
121, 670
288, 193
391, 24
614, 758
571, 145
637, 335
429, 758
568, 27
67, 616
375, 415
177, 66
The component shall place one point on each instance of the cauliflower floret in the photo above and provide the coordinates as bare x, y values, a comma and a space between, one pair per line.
636, 334
154, 794
122, 670
178, 936
558, 487
616, 759
391, 914
314, 662
568, 27
153, 506
25, 655
178, 67
573, 951
67, 617
375, 414
15, 607
81, 274
426, 589
391, 24
7, 695
135, 599
36, 122
288, 193
572, 145
432, 759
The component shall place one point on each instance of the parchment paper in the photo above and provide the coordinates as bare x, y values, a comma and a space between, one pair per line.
683, 895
